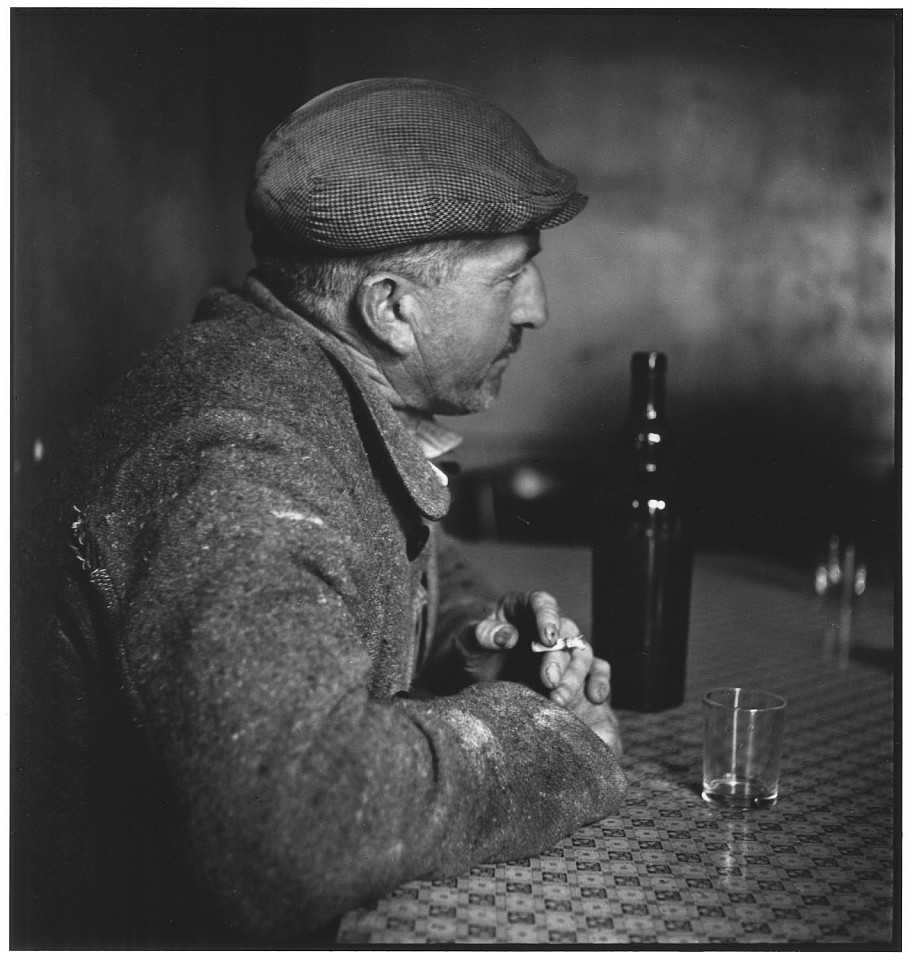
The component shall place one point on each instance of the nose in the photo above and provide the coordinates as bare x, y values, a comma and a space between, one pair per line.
530, 305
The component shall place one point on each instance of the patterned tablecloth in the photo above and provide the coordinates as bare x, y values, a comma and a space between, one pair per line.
669, 868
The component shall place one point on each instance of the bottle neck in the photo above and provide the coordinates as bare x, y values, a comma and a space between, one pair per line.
647, 435
647, 397
648, 485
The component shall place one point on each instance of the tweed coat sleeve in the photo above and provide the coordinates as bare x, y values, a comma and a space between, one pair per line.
300, 793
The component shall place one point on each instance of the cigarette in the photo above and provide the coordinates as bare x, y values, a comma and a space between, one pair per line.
562, 643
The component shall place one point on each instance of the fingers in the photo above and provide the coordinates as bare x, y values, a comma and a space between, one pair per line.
582, 674
568, 676
564, 672
598, 683
609, 731
556, 663
481, 648
547, 617
553, 667
600, 718
495, 634
538, 606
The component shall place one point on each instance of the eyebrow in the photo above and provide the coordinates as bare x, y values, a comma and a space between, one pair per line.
535, 247
532, 251
510, 264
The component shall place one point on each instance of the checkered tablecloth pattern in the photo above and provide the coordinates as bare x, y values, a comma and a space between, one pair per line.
669, 869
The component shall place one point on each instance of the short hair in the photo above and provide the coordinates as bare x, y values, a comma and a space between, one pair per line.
324, 285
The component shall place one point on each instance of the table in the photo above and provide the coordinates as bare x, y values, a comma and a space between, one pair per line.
669, 868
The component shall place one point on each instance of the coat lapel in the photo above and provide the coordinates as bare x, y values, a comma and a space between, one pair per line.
415, 472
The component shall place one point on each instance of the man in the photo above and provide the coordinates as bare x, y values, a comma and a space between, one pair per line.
255, 686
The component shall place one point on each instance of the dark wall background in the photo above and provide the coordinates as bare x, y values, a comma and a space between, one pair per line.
742, 218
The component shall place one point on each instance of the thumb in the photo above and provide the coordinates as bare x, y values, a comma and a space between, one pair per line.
496, 634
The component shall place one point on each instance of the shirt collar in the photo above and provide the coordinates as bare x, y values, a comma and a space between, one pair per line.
433, 438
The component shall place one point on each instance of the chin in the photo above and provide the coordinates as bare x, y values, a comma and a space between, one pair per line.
475, 400
484, 398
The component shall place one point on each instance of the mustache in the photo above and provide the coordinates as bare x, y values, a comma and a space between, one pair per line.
512, 344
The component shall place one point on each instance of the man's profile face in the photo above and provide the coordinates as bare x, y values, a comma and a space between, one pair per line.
473, 324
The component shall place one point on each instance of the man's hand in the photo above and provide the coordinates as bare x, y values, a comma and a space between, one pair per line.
603, 722
500, 647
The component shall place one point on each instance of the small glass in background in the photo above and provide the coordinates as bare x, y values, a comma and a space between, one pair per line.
840, 578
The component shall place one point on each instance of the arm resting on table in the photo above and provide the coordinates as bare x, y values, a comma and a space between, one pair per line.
299, 795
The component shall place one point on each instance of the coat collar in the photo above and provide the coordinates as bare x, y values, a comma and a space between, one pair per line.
417, 474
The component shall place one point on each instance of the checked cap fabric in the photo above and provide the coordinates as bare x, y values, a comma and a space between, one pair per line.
382, 163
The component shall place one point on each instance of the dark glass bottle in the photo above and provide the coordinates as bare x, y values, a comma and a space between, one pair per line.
642, 556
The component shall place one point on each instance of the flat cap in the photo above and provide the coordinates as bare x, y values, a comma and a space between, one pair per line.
381, 163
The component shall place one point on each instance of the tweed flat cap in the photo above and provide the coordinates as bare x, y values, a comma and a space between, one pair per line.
381, 163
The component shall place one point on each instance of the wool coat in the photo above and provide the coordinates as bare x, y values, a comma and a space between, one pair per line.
224, 625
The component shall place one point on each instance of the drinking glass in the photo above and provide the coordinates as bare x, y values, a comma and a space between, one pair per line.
742, 746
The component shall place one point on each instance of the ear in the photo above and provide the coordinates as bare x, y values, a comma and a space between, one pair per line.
388, 305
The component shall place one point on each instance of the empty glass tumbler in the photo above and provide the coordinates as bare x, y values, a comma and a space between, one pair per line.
742, 746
